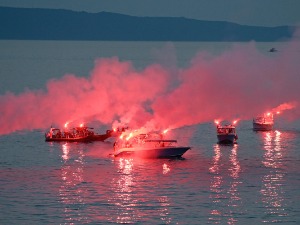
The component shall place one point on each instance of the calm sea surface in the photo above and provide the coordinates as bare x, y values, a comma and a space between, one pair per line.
254, 182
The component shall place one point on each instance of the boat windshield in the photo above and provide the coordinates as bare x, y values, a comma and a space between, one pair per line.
145, 140
226, 130
262, 119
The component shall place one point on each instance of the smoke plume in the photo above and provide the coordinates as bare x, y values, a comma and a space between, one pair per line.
240, 83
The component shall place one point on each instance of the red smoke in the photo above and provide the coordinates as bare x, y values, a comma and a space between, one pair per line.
238, 84
283, 107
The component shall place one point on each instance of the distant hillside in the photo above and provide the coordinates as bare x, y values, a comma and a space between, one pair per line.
53, 24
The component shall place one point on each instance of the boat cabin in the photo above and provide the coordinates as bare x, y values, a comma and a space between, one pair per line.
228, 129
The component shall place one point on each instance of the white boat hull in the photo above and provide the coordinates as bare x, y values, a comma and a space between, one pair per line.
226, 138
160, 152
262, 126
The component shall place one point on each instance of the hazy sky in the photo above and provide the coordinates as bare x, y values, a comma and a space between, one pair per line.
246, 12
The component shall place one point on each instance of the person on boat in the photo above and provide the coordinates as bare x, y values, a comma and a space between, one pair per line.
115, 146
51, 132
58, 134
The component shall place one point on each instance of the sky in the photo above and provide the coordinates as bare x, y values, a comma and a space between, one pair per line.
255, 12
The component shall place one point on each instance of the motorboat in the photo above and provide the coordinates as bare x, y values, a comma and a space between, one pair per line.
102, 137
226, 134
263, 123
148, 146
55, 134
76, 134
273, 50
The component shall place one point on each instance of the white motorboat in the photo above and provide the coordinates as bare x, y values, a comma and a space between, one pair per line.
226, 134
263, 123
148, 146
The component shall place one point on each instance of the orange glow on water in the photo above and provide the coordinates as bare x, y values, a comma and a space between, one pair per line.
225, 192
273, 182
166, 168
66, 150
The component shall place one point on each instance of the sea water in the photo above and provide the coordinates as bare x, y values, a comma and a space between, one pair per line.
253, 182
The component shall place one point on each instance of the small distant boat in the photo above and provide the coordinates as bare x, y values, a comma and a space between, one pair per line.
226, 134
148, 146
76, 134
103, 137
273, 50
263, 123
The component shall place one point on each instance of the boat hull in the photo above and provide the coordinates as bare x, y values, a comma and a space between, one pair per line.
75, 139
164, 152
94, 137
226, 138
262, 126
99, 137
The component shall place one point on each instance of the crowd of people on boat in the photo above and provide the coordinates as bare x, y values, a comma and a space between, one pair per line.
225, 130
73, 133
81, 133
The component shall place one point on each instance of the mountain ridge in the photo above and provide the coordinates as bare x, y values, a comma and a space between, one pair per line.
62, 24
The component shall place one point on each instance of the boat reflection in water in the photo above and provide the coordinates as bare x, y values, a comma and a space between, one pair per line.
273, 182
71, 193
129, 197
127, 212
224, 186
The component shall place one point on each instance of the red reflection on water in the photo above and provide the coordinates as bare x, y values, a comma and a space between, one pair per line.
273, 153
225, 195
128, 209
166, 168
71, 194
133, 190
235, 168
273, 182
66, 149
126, 182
